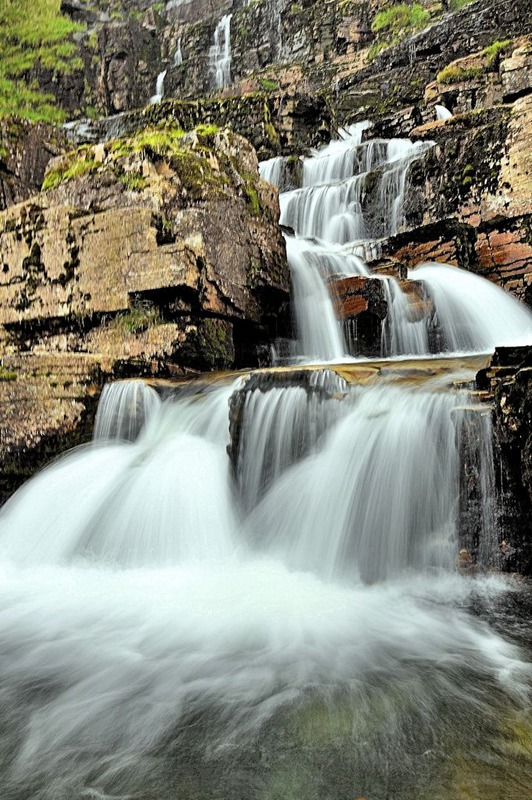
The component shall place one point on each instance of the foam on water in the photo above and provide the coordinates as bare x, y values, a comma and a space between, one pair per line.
154, 629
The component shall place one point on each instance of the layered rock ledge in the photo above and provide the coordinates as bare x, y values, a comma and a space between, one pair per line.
154, 254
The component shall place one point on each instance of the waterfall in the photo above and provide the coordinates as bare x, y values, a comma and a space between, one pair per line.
472, 313
352, 195
442, 112
392, 445
178, 56
159, 88
281, 426
221, 53
123, 409
401, 333
272, 170
331, 205
254, 587
320, 335
161, 620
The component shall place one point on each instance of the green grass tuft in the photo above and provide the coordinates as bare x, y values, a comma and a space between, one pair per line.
456, 5
7, 374
141, 316
268, 85
75, 165
400, 19
494, 51
33, 33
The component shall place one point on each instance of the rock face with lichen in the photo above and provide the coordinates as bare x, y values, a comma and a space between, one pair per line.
154, 254
25, 151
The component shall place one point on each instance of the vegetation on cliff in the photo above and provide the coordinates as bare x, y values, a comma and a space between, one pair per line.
472, 67
34, 36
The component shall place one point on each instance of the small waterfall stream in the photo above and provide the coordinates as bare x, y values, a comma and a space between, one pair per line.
178, 55
159, 88
221, 53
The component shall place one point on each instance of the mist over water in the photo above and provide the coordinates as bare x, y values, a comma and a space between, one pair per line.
167, 627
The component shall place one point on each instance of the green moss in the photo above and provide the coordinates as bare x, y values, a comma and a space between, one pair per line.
375, 49
132, 181
456, 74
33, 34
210, 346
493, 52
268, 85
269, 128
73, 166
7, 374
400, 19
206, 131
141, 316
163, 141
488, 61
456, 5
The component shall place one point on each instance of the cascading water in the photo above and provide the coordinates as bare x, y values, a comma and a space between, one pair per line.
221, 53
123, 409
170, 630
159, 88
178, 55
272, 170
249, 590
351, 196
442, 112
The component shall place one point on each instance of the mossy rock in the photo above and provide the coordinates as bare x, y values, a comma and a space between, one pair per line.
209, 345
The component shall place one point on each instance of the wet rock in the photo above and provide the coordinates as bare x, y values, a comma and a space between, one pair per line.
510, 379
358, 294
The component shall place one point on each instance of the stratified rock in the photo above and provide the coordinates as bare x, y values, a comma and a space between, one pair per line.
26, 149
355, 295
516, 72
150, 255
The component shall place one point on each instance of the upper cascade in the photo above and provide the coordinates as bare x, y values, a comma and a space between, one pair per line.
352, 190
159, 88
350, 199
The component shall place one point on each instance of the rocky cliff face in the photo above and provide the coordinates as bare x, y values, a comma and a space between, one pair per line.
363, 57
123, 265
509, 378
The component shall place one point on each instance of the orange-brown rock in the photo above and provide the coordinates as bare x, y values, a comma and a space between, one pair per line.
354, 295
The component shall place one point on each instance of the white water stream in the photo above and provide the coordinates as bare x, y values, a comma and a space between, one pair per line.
162, 622
352, 196
159, 88
221, 53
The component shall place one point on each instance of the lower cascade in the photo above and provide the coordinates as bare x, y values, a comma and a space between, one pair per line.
250, 588
172, 617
